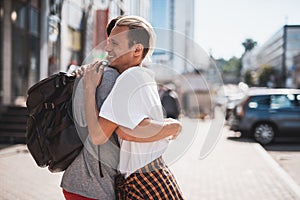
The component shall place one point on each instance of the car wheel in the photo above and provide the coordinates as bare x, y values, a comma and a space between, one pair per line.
264, 133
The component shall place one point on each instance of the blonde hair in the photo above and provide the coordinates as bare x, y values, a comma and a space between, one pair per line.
140, 31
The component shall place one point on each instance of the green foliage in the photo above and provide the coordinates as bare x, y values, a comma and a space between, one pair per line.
230, 69
249, 78
265, 75
233, 66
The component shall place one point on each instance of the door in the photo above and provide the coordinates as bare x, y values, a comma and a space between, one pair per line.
286, 112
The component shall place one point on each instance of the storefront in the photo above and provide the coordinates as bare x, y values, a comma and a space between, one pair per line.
20, 48
39, 38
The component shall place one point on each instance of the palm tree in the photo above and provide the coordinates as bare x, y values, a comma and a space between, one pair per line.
249, 44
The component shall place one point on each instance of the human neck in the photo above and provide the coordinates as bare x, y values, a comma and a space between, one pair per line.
122, 69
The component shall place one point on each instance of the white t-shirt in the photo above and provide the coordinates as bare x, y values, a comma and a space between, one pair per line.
133, 98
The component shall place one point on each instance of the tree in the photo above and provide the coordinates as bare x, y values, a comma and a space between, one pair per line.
249, 44
230, 69
266, 76
233, 66
249, 78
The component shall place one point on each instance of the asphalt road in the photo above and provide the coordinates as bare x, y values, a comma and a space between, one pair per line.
285, 151
287, 155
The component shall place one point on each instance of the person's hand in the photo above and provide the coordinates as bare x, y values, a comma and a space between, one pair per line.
80, 71
92, 74
176, 124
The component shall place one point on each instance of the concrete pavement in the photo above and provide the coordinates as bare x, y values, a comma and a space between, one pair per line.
22, 179
234, 170
238, 170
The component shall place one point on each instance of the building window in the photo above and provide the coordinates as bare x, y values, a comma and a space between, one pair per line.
25, 45
1, 46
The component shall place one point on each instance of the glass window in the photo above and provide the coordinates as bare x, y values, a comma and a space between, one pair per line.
259, 102
25, 46
293, 44
18, 15
19, 63
34, 19
35, 3
282, 101
1, 45
293, 33
33, 60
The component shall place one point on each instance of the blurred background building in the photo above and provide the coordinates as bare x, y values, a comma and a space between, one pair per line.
278, 57
40, 38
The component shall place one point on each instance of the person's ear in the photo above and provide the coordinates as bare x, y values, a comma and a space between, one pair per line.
138, 49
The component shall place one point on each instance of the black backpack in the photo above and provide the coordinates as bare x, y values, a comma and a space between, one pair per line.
51, 134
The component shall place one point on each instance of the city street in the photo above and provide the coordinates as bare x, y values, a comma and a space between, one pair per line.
287, 155
234, 169
207, 60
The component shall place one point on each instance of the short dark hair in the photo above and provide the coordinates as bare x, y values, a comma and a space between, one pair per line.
112, 24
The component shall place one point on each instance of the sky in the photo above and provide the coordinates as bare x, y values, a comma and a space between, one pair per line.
222, 25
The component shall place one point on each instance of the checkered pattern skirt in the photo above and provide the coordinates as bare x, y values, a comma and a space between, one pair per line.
153, 181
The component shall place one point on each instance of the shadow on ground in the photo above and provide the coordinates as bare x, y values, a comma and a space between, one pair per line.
280, 144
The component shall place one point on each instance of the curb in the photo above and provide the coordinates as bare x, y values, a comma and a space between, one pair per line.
295, 187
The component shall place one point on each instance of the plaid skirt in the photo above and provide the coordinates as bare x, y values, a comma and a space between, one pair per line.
153, 181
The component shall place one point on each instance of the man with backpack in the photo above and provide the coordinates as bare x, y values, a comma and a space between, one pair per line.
87, 177
134, 98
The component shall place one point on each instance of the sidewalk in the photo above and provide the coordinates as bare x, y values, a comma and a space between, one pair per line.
234, 170
22, 179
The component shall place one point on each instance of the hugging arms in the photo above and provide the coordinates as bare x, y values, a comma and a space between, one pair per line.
100, 129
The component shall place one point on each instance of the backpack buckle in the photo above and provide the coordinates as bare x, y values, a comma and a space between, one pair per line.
49, 106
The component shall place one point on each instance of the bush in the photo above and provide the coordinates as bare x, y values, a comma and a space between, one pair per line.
266, 76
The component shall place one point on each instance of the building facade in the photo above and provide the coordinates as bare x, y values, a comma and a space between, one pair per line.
297, 71
173, 21
179, 63
39, 38
20, 47
278, 52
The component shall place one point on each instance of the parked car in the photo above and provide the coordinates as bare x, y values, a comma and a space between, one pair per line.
267, 113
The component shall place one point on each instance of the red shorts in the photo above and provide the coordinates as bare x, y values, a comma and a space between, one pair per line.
73, 196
